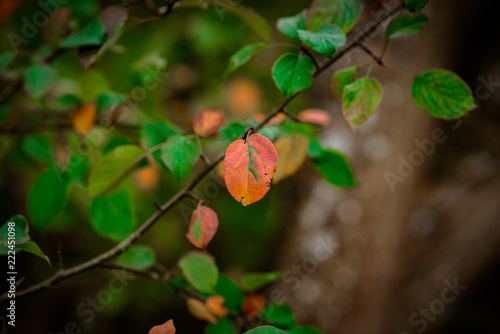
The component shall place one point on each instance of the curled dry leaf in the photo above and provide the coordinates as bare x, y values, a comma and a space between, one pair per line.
206, 123
215, 304
292, 151
147, 178
249, 166
253, 304
166, 328
84, 119
203, 226
315, 116
200, 311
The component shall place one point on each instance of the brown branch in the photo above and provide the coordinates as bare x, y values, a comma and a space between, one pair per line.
149, 274
125, 244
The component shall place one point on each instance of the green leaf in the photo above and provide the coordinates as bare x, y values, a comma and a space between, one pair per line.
415, 6
112, 168
324, 41
91, 34
33, 248
156, 133
20, 230
303, 330
179, 284
255, 281
200, 271
108, 100
38, 79
233, 131
442, 94
138, 257
78, 167
265, 330
112, 217
291, 24
243, 55
405, 25
250, 17
231, 292
342, 78
38, 148
292, 73
5, 59
342, 13
360, 99
335, 168
180, 154
65, 101
279, 315
224, 326
47, 198
114, 19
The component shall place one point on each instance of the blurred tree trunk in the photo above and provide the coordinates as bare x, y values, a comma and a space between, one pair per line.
397, 249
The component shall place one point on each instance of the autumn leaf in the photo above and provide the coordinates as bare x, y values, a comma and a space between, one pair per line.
206, 123
84, 118
315, 116
249, 166
215, 305
147, 178
200, 311
253, 304
166, 328
292, 151
203, 226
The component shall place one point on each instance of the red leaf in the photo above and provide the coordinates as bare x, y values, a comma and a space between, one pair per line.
215, 304
249, 166
206, 123
315, 116
203, 226
253, 304
166, 328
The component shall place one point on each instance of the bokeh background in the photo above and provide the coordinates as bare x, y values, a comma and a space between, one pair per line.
394, 248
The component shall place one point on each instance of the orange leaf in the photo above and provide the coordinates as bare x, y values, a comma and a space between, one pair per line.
315, 116
147, 178
203, 226
253, 304
249, 166
277, 119
259, 117
243, 96
206, 123
166, 328
215, 304
200, 311
84, 118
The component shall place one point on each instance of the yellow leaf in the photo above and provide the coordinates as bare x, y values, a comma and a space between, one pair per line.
292, 152
200, 311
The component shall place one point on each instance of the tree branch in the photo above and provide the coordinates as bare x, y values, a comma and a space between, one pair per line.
125, 244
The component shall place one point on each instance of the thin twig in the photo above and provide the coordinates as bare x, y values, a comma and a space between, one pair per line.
309, 53
132, 238
145, 273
